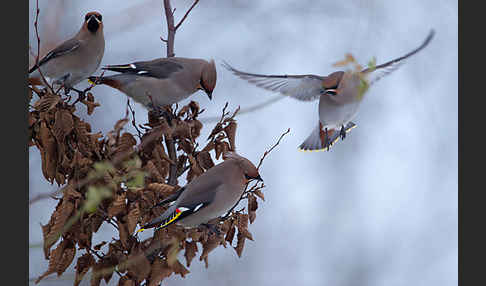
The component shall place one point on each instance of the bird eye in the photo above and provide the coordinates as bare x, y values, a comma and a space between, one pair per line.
99, 17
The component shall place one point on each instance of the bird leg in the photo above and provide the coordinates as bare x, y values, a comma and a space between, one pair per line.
342, 133
328, 141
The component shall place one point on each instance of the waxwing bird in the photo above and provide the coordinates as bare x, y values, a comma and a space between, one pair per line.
75, 59
163, 81
210, 195
340, 94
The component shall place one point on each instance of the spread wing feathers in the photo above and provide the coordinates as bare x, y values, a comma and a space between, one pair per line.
65, 48
373, 74
171, 217
317, 140
302, 87
160, 68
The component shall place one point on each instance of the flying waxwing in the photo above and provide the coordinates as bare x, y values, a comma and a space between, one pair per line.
162, 81
339, 94
210, 195
75, 59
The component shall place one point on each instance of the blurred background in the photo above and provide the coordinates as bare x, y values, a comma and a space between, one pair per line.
379, 209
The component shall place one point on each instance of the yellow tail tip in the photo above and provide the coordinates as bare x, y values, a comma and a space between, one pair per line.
91, 82
140, 230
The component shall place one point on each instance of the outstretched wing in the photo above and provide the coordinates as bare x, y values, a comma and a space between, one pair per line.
302, 87
63, 49
159, 68
373, 74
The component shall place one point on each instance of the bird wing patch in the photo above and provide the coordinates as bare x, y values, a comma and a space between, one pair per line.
178, 214
159, 68
302, 87
65, 48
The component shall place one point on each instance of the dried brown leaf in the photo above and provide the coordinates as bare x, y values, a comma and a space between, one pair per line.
125, 281
160, 270
56, 224
63, 124
210, 245
132, 219
83, 264
204, 160
243, 226
161, 189
190, 253
240, 244
179, 269
259, 194
230, 131
153, 172
66, 258
252, 207
118, 205
139, 266
230, 234
60, 259
46, 102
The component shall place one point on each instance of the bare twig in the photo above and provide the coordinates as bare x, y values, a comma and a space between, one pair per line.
270, 150
38, 48
245, 110
133, 118
185, 16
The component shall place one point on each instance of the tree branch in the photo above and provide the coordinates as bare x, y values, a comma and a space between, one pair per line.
185, 16
169, 15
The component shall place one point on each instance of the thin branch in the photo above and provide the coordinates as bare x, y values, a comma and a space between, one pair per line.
38, 48
245, 110
169, 15
133, 118
185, 16
270, 150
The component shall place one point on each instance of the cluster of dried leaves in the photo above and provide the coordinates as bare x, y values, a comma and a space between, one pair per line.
113, 179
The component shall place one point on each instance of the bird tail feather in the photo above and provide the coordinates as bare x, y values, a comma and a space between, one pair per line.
317, 140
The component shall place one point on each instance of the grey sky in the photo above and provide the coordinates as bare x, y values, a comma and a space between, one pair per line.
380, 208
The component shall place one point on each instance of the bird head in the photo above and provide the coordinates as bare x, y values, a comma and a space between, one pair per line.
208, 78
249, 170
93, 21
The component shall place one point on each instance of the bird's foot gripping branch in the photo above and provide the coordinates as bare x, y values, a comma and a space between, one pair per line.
117, 179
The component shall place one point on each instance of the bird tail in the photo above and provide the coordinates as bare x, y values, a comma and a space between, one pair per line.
318, 140
108, 80
169, 217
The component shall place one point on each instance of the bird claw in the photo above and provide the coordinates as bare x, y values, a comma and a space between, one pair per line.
342, 133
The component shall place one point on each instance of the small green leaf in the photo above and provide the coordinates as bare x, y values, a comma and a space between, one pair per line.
94, 197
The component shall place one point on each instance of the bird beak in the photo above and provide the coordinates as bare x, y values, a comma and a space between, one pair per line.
210, 94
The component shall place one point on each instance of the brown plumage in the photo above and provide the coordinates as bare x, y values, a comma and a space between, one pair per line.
162, 81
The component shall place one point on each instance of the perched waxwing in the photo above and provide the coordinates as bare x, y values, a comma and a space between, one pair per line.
340, 94
210, 195
163, 81
75, 59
